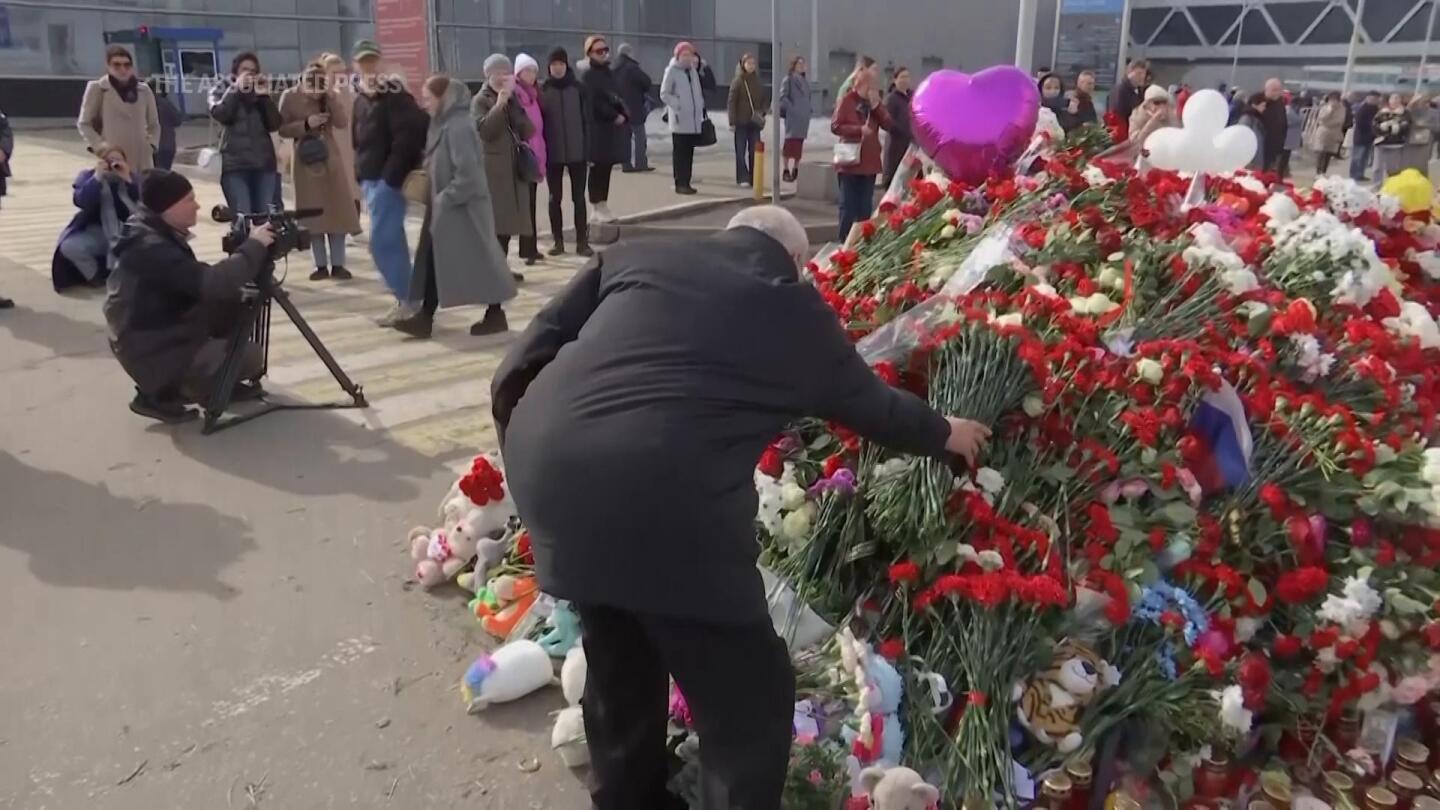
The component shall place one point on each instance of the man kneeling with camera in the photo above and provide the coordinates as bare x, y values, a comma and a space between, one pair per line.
169, 313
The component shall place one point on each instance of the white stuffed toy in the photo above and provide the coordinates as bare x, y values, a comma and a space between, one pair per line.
568, 735
510, 673
474, 516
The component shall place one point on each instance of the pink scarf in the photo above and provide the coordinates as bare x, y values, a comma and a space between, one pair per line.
530, 102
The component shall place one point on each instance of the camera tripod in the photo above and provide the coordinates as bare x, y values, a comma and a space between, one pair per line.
253, 325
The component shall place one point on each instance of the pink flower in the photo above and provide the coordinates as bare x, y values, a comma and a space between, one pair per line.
816, 778
1190, 485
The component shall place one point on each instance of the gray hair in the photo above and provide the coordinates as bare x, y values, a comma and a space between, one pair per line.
778, 224
497, 62
625, 49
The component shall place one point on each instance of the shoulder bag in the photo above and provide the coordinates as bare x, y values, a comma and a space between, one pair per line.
416, 187
527, 166
848, 154
757, 116
311, 149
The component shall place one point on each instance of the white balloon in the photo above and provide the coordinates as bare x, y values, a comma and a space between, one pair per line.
1233, 148
1206, 112
1164, 148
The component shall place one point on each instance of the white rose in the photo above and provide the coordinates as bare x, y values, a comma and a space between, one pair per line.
792, 496
990, 560
796, 525
1033, 405
947, 232
1150, 370
1112, 277
990, 480
952, 216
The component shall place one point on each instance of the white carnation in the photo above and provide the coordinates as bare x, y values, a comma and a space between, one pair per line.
1414, 321
1233, 714
1280, 209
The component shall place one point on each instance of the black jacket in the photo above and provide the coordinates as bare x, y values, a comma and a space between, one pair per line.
1275, 129
389, 133
162, 300
607, 142
1125, 97
246, 121
635, 87
565, 110
1365, 124
897, 104
1085, 110
632, 413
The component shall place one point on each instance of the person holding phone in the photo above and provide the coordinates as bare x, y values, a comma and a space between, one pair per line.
503, 126
857, 120
609, 131
312, 116
247, 114
105, 197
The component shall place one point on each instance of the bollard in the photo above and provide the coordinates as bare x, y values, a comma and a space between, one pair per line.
758, 172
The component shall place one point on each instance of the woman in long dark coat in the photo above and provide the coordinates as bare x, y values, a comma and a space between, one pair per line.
502, 123
458, 262
608, 138
897, 104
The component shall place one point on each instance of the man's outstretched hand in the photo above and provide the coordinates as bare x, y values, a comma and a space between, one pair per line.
967, 439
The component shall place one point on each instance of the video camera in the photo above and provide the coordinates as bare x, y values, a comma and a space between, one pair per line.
289, 235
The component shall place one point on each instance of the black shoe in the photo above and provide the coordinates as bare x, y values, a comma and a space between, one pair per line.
340, 274
246, 391
519, 277
6, 303
583, 249
631, 170
418, 326
493, 323
169, 411
320, 274
686, 190
557, 250
531, 260
646, 169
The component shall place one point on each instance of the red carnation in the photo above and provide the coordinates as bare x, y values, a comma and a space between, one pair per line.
1287, 646
1324, 637
1275, 498
892, 648
1431, 632
832, 465
904, 572
1302, 584
772, 462
989, 590
886, 371
867, 230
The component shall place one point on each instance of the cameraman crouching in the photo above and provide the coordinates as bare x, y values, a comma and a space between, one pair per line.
169, 314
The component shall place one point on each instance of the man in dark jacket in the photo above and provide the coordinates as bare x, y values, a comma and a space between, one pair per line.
7, 148
1085, 99
389, 131
168, 312
635, 89
1129, 93
1362, 144
632, 414
1276, 124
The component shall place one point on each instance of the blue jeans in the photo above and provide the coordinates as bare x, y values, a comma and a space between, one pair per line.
857, 200
635, 157
334, 256
747, 136
1362, 155
388, 245
249, 191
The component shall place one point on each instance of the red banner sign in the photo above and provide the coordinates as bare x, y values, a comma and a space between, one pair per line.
403, 32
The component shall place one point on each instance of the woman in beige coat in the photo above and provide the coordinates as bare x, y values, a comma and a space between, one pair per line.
1329, 131
310, 114
119, 110
342, 86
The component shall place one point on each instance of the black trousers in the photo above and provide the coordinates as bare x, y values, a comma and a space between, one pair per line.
684, 157
529, 245
555, 182
740, 687
600, 182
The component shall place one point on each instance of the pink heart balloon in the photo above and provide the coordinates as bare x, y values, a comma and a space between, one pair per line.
973, 126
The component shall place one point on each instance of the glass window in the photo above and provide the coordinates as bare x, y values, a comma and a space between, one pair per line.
1333, 29
521, 12
1214, 21
463, 51
1294, 18
657, 16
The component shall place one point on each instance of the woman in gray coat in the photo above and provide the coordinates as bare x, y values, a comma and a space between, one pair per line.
458, 262
796, 109
684, 98
502, 124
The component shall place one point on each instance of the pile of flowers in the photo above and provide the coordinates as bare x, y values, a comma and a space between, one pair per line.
1209, 471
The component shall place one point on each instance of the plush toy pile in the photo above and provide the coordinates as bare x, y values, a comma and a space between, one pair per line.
1207, 520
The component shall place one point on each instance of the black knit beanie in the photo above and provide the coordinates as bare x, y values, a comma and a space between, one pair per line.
160, 189
559, 55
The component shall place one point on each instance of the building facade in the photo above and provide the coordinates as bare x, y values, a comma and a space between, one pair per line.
1305, 42
48, 48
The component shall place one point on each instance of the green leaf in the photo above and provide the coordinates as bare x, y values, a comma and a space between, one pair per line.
1257, 591
1368, 505
1179, 513
1405, 605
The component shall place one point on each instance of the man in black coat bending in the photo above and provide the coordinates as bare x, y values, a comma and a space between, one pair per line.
631, 414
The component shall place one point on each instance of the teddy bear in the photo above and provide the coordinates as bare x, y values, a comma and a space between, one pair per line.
1051, 702
879, 737
568, 735
509, 673
440, 554
563, 630
898, 789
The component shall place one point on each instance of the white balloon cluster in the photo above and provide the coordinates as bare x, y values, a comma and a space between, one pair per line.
1204, 143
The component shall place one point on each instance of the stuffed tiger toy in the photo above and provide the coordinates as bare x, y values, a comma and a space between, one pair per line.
1050, 703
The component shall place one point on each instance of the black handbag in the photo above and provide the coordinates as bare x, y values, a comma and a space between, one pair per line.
311, 150
707, 133
527, 166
